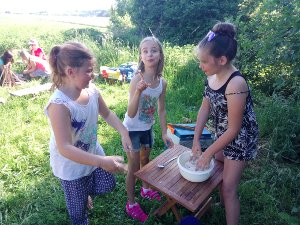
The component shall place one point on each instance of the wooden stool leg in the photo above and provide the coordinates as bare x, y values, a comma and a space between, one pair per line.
9, 78
16, 79
5, 77
204, 208
169, 204
164, 208
2, 75
176, 213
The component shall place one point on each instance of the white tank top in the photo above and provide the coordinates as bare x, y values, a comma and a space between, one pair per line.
84, 125
144, 118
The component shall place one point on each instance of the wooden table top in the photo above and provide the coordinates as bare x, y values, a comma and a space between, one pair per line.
171, 183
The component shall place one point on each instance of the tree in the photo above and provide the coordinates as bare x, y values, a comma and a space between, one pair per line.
177, 21
270, 48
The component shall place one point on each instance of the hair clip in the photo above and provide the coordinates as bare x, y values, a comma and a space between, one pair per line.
210, 35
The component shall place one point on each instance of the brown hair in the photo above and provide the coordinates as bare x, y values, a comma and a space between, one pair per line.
73, 54
221, 41
161, 62
7, 55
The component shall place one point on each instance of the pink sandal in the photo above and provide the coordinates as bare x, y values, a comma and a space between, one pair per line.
150, 194
136, 212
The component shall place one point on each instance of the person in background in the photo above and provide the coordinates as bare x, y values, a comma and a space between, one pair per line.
36, 50
227, 98
6, 60
35, 66
147, 88
6, 73
76, 157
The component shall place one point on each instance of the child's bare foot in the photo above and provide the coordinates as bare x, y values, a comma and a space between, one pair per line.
90, 203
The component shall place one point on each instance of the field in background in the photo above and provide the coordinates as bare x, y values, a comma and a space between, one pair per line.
17, 30
100, 22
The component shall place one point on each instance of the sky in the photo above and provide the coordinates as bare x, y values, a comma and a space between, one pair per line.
54, 5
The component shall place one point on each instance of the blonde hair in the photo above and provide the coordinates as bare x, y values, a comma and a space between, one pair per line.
24, 54
73, 54
161, 62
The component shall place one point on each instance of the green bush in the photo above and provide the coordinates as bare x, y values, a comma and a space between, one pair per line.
269, 34
279, 122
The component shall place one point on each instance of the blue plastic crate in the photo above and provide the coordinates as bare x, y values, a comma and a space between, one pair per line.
185, 134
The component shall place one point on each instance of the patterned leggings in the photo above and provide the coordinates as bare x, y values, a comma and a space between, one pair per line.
77, 192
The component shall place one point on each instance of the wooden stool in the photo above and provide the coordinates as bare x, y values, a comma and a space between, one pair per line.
9, 78
196, 197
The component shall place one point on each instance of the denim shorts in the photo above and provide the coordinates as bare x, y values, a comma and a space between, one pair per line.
139, 138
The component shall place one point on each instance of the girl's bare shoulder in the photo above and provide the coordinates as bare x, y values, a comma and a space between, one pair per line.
237, 82
237, 85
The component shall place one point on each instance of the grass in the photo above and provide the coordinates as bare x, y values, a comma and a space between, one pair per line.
30, 194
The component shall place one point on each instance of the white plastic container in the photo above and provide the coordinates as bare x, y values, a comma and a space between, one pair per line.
192, 175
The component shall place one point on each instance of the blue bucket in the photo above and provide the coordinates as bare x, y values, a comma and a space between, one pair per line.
190, 220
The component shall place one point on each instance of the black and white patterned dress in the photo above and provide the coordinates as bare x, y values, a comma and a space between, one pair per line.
244, 146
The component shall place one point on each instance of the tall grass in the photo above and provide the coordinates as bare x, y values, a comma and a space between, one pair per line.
30, 194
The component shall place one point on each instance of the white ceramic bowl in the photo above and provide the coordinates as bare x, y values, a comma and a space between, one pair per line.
192, 175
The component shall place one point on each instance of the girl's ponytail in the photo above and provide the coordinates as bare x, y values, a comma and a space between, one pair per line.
53, 61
